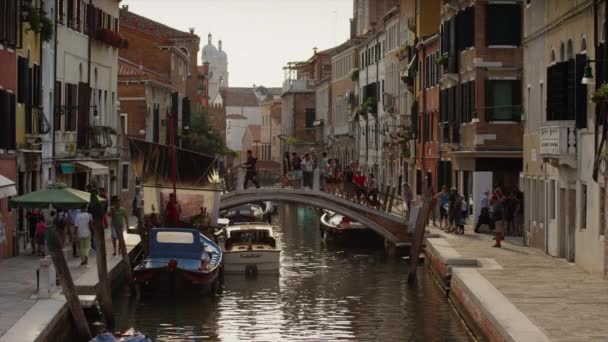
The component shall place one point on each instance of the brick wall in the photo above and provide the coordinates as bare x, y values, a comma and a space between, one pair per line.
302, 102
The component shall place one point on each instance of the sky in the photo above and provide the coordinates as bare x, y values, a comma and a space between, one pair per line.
259, 36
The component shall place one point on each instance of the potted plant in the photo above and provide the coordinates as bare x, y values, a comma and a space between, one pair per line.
601, 94
442, 59
40, 23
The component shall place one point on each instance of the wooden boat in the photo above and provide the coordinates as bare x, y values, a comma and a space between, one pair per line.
250, 248
245, 213
128, 336
338, 227
179, 256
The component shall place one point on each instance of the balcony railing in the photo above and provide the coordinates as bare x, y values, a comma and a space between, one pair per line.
298, 85
558, 139
503, 113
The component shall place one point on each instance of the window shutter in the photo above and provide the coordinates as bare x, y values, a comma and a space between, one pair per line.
56, 114
185, 112
4, 118
571, 90
489, 100
581, 92
12, 143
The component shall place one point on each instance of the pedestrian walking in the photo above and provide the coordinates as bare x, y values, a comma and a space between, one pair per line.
348, 185
61, 222
40, 234
443, 197
118, 215
287, 170
73, 231
308, 170
511, 206
251, 172
296, 163
498, 212
83, 226
324, 168
32, 220
372, 189
434, 202
452, 209
359, 181
484, 213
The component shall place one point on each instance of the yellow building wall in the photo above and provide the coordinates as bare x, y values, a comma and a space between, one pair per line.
31, 43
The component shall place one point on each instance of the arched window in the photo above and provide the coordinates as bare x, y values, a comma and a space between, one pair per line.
562, 52
583, 45
552, 56
569, 50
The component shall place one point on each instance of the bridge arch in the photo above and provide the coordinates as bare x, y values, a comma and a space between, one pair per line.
231, 200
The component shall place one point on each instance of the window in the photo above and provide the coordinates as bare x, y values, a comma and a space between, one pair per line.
583, 206
9, 22
503, 100
7, 120
310, 117
125, 177
123, 123
499, 16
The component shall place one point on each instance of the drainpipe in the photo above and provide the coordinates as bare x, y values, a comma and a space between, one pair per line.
595, 48
54, 105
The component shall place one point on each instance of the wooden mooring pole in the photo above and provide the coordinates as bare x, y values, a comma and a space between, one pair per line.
67, 284
421, 222
104, 288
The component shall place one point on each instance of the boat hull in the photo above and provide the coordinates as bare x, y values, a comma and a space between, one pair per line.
252, 261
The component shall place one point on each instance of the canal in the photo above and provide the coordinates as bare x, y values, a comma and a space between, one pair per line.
325, 292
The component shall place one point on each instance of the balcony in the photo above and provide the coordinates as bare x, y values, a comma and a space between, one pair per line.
558, 141
36, 122
293, 85
101, 140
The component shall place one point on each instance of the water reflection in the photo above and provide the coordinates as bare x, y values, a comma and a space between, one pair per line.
323, 293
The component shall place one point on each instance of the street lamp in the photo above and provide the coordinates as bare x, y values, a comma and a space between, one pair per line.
588, 73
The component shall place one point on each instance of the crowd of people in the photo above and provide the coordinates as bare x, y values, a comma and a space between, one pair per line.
74, 227
502, 213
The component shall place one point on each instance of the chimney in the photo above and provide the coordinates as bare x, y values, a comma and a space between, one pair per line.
353, 28
219, 45
315, 50
125, 7
192, 30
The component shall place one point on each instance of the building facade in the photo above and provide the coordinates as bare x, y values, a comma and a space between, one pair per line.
480, 98
565, 205
270, 130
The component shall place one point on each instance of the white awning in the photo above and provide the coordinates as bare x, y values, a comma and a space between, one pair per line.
95, 168
7, 187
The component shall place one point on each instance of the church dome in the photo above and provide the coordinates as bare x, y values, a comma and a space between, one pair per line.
220, 53
209, 51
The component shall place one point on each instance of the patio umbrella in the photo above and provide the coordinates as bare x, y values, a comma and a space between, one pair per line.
58, 195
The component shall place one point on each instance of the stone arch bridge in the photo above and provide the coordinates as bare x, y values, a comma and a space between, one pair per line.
390, 226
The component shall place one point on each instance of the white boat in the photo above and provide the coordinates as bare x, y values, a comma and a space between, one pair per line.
250, 248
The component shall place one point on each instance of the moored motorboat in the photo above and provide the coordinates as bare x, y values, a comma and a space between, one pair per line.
179, 256
250, 248
245, 213
341, 228
128, 336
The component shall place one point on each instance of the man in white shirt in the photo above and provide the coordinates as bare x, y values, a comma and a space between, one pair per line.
83, 225
308, 169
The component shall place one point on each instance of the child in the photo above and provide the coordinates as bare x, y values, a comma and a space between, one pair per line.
40, 232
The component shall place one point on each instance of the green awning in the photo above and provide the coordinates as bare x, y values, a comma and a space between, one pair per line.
68, 168
57, 195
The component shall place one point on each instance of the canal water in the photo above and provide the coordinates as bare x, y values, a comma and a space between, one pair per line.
324, 293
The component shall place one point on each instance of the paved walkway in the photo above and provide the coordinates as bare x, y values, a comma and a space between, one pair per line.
18, 282
565, 302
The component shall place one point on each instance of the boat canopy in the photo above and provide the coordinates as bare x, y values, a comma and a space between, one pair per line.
175, 243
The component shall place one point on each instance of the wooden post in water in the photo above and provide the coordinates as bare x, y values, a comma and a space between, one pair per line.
104, 288
67, 284
122, 249
422, 220
389, 208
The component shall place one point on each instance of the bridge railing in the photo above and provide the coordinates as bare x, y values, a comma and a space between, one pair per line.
385, 198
